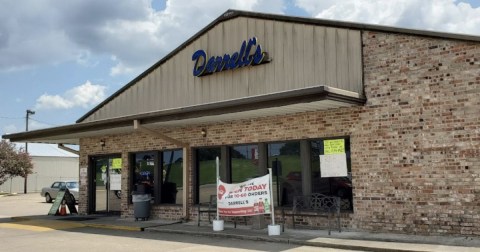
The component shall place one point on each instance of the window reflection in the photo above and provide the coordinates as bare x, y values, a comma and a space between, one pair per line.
143, 176
284, 159
244, 162
206, 173
172, 176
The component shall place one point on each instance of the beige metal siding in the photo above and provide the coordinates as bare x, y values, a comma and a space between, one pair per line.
355, 62
319, 52
302, 56
269, 45
308, 68
46, 170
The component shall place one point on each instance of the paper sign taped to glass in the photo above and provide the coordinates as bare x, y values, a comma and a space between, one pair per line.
248, 198
116, 182
334, 162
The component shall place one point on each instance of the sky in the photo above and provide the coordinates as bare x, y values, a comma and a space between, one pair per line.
61, 58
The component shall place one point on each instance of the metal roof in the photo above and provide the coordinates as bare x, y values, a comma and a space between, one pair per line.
231, 14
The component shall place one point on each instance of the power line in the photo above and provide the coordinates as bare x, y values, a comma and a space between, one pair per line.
23, 118
43, 122
12, 118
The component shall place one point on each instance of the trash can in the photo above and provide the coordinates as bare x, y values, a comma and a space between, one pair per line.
141, 206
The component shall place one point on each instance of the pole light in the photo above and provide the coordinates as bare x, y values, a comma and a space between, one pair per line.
29, 112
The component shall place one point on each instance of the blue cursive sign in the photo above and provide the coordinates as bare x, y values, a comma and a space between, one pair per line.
244, 57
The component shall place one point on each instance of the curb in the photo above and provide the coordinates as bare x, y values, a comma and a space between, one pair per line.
92, 225
281, 240
20, 218
114, 227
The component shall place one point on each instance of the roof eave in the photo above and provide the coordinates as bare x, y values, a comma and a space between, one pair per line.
305, 95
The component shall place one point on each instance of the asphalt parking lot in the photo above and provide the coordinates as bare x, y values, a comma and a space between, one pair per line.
29, 204
25, 226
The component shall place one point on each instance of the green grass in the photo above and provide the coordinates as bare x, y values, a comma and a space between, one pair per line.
289, 164
207, 172
176, 174
244, 169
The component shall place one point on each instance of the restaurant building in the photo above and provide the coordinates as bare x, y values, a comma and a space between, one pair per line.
261, 90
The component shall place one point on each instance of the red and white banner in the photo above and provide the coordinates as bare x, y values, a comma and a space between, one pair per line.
243, 199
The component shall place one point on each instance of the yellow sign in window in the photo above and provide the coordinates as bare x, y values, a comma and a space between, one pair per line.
335, 146
116, 163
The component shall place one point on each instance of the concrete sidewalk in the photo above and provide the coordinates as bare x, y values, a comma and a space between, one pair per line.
319, 238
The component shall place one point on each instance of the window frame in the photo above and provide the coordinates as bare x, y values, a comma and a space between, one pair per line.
279, 199
196, 169
348, 153
157, 173
132, 163
305, 150
229, 161
160, 173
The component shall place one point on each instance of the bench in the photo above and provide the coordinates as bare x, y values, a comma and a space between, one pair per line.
211, 208
317, 205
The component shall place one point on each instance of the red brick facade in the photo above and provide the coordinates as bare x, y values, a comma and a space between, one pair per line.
415, 145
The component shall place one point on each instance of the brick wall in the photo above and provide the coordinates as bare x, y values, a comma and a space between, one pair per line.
419, 165
415, 145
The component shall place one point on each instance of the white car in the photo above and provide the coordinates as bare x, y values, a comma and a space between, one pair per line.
50, 193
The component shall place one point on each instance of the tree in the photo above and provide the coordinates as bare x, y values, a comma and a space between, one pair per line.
13, 162
290, 148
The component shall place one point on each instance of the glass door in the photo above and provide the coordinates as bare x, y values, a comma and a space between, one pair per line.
107, 184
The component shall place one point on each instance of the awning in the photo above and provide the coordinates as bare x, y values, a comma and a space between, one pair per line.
282, 103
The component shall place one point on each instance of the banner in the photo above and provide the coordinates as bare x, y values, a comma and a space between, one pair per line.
244, 199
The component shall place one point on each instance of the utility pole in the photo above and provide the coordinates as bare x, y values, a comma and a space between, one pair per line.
29, 112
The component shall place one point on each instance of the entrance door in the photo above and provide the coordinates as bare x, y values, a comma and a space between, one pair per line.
106, 182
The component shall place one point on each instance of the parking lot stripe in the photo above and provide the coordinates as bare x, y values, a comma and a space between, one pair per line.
41, 225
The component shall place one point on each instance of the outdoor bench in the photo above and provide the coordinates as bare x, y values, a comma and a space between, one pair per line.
211, 208
317, 205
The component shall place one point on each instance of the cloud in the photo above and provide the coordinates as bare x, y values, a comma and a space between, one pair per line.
34, 125
153, 34
84, 96
10, 129
440, 15
37, 32
135, 35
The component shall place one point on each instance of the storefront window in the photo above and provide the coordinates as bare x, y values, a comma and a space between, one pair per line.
172, 177
163, 182
284, 158
206, 173
143, 174
244, 162
334, 186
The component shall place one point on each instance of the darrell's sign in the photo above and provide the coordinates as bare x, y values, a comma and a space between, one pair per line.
250, 54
